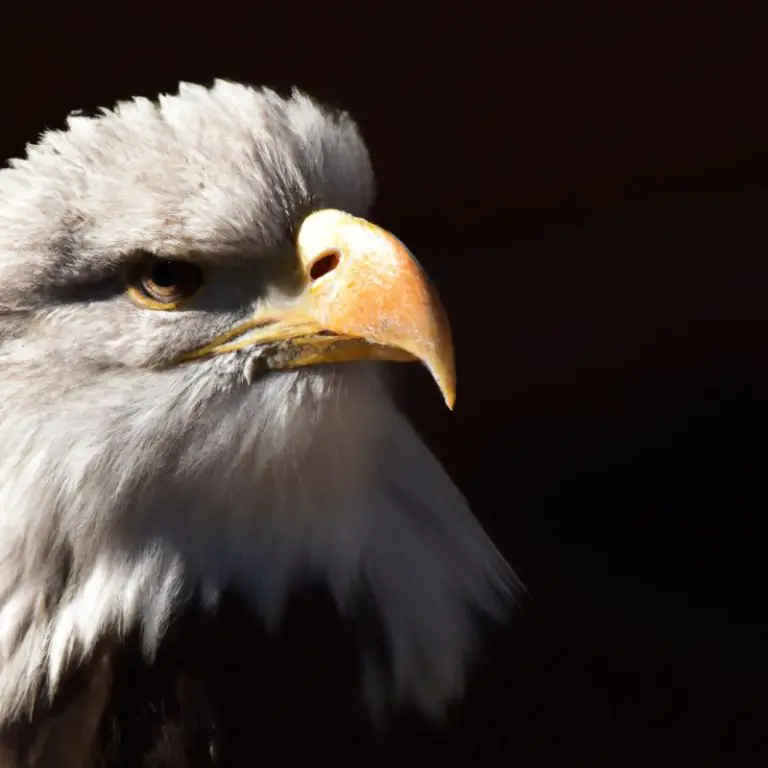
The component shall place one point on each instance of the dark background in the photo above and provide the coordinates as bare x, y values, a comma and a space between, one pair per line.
587, 184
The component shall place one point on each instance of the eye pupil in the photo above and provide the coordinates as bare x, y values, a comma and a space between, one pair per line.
165, 274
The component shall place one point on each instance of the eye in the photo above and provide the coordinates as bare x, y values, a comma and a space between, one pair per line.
164, 284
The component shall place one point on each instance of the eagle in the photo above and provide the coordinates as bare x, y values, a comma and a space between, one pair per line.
195, 317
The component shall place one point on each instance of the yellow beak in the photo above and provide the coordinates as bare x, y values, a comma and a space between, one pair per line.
364, 298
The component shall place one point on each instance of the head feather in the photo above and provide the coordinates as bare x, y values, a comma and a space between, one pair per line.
123, 487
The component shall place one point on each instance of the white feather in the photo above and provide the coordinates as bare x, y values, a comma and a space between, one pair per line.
123, 486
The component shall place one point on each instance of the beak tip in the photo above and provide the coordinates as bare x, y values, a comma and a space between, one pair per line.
447, 387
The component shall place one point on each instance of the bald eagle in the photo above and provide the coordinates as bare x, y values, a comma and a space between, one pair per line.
193, 316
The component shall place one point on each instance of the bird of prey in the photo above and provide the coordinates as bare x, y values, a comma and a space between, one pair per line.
193, 319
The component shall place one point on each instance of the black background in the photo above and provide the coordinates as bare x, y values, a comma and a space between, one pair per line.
587, 185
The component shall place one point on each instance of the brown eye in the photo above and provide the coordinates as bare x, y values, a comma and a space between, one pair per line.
164, 283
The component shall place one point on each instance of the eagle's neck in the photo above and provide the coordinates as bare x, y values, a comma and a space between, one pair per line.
130, 519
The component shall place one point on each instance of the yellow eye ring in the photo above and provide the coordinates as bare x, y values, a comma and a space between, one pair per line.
163, 284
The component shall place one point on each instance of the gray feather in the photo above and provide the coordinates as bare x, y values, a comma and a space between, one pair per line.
123, 485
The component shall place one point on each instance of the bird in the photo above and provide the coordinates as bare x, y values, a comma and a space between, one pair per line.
196, 324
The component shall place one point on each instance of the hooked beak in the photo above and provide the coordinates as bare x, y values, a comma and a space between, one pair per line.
364, 298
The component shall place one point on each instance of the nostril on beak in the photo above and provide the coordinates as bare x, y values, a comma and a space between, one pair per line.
324, 264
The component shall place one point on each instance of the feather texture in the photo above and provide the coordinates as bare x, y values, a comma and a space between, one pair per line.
125, 487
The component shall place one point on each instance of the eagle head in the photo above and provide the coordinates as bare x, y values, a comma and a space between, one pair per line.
193, 316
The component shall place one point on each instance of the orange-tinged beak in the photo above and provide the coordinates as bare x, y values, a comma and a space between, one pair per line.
364, 298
